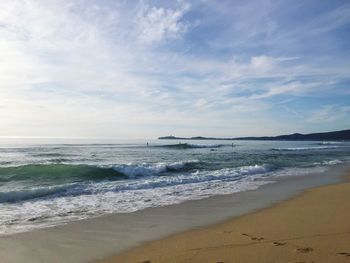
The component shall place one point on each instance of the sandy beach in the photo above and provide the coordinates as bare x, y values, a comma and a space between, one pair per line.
313, 227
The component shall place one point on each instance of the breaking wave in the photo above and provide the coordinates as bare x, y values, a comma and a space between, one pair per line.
329, 143
313, 148
131, 170
73, 173
89, 188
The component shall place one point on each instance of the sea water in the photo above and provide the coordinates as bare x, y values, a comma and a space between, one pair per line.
45, 184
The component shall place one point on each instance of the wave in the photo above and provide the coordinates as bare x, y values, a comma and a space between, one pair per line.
236, 173
254, 169
305, 148
190, 146
57, 205
329, 143
66, 173
330, 162
89, 200
102, 187
299, 171
225, 174
28, 194
132, 170
55, 172
53, 155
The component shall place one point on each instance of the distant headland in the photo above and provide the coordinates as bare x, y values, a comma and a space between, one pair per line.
343, 135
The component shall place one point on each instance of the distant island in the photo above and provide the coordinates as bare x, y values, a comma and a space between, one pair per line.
343, 135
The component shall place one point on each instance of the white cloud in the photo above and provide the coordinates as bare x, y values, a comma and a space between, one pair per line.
200, 103
267, 63
155, 24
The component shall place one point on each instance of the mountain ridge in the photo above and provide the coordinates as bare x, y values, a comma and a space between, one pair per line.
342, 135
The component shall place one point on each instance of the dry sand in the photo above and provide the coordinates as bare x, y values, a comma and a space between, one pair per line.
313, 227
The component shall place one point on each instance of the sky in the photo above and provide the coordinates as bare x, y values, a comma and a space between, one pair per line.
143, 69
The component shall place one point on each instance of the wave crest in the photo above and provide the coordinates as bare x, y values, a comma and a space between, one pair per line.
290, 149
329, 143
131, 170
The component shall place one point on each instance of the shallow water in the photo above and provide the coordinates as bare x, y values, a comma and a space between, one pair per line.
49, 184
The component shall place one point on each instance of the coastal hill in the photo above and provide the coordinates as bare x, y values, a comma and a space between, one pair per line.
343, 135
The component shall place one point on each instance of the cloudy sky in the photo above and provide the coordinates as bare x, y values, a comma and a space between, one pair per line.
142, 69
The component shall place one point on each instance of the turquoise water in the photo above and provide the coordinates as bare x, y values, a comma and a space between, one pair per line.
43, 185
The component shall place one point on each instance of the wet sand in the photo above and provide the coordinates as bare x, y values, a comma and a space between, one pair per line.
313, 227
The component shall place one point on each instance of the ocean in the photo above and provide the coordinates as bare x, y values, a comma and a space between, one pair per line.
46, 184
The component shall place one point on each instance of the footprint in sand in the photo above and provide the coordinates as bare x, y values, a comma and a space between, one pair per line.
257, 238
304, 250
252, 237
344, 254
277, 243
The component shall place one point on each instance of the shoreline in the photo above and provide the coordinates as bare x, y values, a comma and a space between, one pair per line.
99, 238
313, 226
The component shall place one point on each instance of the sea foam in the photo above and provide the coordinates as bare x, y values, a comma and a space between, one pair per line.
312, 148
144, 169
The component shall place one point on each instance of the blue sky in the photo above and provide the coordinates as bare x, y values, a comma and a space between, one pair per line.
142, 69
